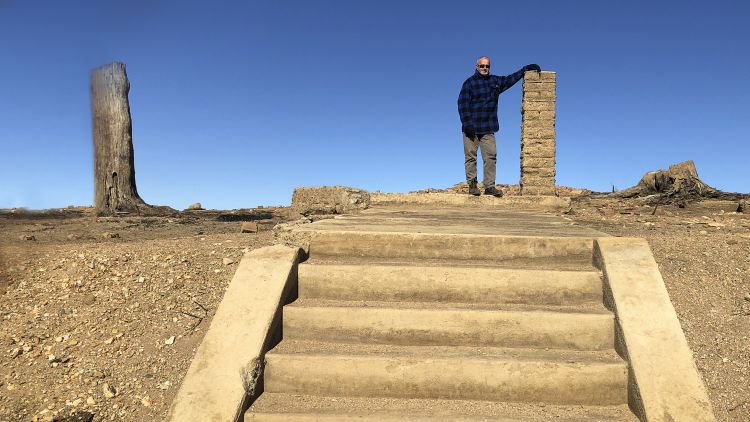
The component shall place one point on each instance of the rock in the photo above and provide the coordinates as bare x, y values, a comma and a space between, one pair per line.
747, 297
90, 401
109, 391
89, 299
80, 416
703, 232
72, 236
15, 352
169, 340
608, 211
249, 227
147, 402
329, 200
227, 261
111, 235
27, 237
195, 207
742, 207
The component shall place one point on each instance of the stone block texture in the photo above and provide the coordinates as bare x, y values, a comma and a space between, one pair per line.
538, 133
329, 200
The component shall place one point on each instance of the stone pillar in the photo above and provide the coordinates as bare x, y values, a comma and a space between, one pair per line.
538, 133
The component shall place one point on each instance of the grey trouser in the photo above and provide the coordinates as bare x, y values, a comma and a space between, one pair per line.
486, 143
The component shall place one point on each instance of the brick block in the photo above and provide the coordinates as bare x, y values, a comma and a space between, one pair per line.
530, 180
541, 151
539, 96
540, 76
542, 172
533, 132
529, 161
537, 106
544, 87
530, 142
538, 190
539, 115
537, 123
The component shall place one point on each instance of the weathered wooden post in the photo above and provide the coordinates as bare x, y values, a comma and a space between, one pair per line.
114, 170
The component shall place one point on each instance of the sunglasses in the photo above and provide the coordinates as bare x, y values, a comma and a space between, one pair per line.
483, 66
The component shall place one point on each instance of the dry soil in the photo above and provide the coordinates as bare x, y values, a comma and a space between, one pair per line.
102, 315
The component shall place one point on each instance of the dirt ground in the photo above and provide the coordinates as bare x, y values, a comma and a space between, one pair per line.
103, 315
703, 253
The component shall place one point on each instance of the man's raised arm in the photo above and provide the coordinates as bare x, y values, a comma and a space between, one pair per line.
510, 80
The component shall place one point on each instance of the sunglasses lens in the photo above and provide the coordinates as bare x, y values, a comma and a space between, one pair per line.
484, 66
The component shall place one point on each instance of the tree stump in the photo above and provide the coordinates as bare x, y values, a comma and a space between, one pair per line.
679, 184
114, 171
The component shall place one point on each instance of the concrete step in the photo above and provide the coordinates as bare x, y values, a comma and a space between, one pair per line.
277, 407
445, 246
448, 284
419, 323
463, 373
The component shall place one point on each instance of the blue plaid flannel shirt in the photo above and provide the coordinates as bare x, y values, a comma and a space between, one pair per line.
477, 102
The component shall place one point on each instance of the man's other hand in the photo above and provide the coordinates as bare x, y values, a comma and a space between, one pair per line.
535, 67
468, 130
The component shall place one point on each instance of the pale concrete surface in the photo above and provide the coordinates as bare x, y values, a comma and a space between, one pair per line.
451, 284
452, 326
448, 377
548, 203
214, 387
443, 246
472, 303
455, 220
668, 382
404, 302
276, 407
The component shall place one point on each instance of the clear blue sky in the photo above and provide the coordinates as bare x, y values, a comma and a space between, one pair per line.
236, 103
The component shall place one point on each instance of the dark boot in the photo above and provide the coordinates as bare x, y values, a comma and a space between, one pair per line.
473, 189
493, 191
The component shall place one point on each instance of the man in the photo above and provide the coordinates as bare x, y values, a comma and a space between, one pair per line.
477, 106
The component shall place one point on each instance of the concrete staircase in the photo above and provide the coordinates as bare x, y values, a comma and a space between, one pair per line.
434, 328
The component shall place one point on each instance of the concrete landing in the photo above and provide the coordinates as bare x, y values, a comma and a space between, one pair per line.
455, 220
439, 199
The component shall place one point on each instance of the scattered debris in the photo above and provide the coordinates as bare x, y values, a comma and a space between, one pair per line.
249, 227
109, 391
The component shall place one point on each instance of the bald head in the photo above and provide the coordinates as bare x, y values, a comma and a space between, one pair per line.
483, 65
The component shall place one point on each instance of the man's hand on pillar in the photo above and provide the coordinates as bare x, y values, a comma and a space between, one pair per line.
535, 67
